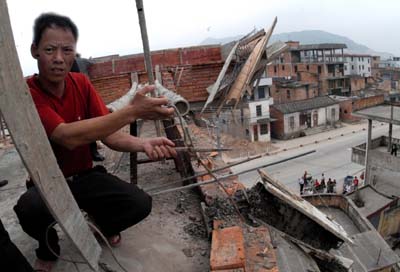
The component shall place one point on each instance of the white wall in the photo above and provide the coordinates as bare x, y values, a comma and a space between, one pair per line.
358, 65
286, 118
264, 103
264, 109
324, 117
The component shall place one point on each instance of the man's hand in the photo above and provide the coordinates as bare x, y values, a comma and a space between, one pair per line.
159, 148
150, 108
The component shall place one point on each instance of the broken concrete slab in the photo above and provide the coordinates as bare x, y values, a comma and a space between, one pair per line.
295, 216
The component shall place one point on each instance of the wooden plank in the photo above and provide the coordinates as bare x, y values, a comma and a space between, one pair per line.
33, 146
243, 80
133, 173
215, 86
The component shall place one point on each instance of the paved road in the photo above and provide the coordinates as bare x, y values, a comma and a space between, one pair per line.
333, 158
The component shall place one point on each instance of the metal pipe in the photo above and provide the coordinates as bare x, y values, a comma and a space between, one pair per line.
146, 53
180, 103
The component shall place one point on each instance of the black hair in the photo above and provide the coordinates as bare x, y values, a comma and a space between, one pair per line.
49, 20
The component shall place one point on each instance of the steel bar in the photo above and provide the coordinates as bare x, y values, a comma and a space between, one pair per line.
202, 174
228, 176
191, 149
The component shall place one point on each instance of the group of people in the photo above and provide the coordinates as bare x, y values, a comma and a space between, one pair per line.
74, 116
351, 186
306, 182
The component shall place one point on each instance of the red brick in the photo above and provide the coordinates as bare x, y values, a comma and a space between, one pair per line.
227, 249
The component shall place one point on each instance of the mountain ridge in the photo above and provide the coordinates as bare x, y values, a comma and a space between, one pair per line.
310, 37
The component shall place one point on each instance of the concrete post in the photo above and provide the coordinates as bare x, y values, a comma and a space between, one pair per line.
390, 129
367, 150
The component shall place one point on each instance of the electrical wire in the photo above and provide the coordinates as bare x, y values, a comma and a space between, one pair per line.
75, 262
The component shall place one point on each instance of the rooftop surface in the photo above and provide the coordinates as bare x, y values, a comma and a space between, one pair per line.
373, 200
167, 240
380, 113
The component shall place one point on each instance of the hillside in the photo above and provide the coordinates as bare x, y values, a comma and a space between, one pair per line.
310, 37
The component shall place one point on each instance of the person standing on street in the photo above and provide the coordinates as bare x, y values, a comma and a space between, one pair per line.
301, 184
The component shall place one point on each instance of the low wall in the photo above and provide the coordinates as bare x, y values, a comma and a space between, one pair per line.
344, 204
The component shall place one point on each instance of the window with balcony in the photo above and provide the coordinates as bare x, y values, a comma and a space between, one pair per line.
258, 110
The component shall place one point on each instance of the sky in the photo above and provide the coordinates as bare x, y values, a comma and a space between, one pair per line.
112, 27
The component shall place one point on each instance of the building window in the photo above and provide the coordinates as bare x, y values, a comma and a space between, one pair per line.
283, 67
352, 59
345, 67
362, 58
261, 92
288, 94
352, 67
319, 69
363, 67
295, 68
359, 59
308, 67
258, 110
263, 129
291, 122
275, 69
281, 59
368, 60
369, 69
359, 67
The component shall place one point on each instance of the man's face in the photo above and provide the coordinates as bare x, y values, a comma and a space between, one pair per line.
55, 54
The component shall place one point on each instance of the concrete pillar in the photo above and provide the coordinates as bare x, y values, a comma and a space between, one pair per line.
390, 129
367, 151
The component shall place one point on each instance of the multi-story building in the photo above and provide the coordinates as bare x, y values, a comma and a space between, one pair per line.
393, 62
321, 64
357, 65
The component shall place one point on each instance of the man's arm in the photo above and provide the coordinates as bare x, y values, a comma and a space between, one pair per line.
72, 135
155, 148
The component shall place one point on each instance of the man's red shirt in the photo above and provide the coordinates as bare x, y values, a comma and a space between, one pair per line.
80, 101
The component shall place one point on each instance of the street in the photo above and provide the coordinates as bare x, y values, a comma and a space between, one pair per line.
333, 158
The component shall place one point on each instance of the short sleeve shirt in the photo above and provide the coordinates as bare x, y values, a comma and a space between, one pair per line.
80, 101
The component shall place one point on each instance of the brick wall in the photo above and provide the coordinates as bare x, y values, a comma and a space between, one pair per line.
277, 127
111, 88
348, 106
346, 109
357, 83
367, 102
201, 66
195, 80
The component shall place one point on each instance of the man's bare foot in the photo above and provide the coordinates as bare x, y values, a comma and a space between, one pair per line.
43, 266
